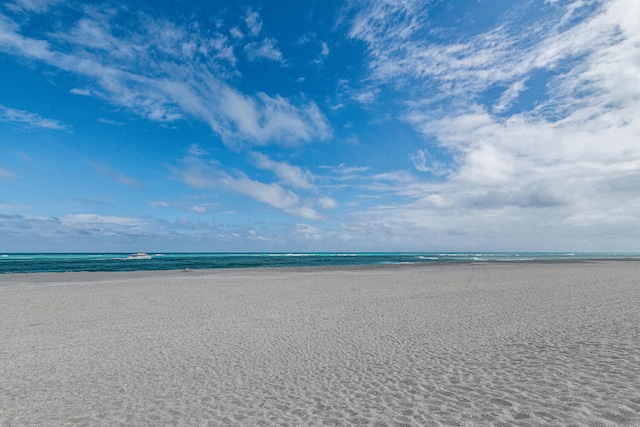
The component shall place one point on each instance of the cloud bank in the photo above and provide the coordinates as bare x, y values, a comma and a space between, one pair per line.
556, 161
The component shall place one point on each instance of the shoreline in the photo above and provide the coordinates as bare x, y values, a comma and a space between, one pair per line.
473, 344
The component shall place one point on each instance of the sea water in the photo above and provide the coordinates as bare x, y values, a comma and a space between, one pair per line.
67, 262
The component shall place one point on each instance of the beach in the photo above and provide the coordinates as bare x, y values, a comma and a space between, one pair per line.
514, 344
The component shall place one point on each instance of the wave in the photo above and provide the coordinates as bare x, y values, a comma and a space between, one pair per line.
289, 255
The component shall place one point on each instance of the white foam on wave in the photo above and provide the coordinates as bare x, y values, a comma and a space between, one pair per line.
292, 255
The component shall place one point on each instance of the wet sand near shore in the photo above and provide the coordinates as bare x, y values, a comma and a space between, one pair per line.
521, 344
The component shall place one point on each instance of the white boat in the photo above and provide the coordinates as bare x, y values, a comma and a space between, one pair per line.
139, 255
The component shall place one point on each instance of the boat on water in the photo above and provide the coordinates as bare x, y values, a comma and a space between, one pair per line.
139, 255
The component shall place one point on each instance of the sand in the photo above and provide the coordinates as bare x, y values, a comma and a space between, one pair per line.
512, 344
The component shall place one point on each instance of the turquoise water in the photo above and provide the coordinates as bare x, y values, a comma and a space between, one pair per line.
32, 263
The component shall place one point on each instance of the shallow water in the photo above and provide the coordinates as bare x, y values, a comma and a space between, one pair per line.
35, 263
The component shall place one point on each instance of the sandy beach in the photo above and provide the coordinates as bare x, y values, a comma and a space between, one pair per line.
513, 344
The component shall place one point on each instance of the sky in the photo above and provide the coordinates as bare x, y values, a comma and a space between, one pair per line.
321, 125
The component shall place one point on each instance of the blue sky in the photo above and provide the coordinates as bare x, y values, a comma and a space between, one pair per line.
320, 125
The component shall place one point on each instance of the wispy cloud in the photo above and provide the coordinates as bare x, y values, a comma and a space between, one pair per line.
308, 232
425, 162
81, 92
254, 22
293, 176
509, 96
200, 173
324, 49
165, 72
404, 48
30, 120
266, 49
265, 118
236, 33
272, 194
110, 122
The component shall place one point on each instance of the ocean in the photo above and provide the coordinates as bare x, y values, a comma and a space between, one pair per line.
69, 262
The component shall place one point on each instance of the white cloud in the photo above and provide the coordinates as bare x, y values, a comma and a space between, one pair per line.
28, 119
509, 96
366, 96
81, 92
327, 203
423, 161
110, 122
345, 172
307, 37
272, 194
267, 118
293, 176
324, 49
399, 19
236, 33
254, 22
307, 232
324, 53
266, 49
487, 165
